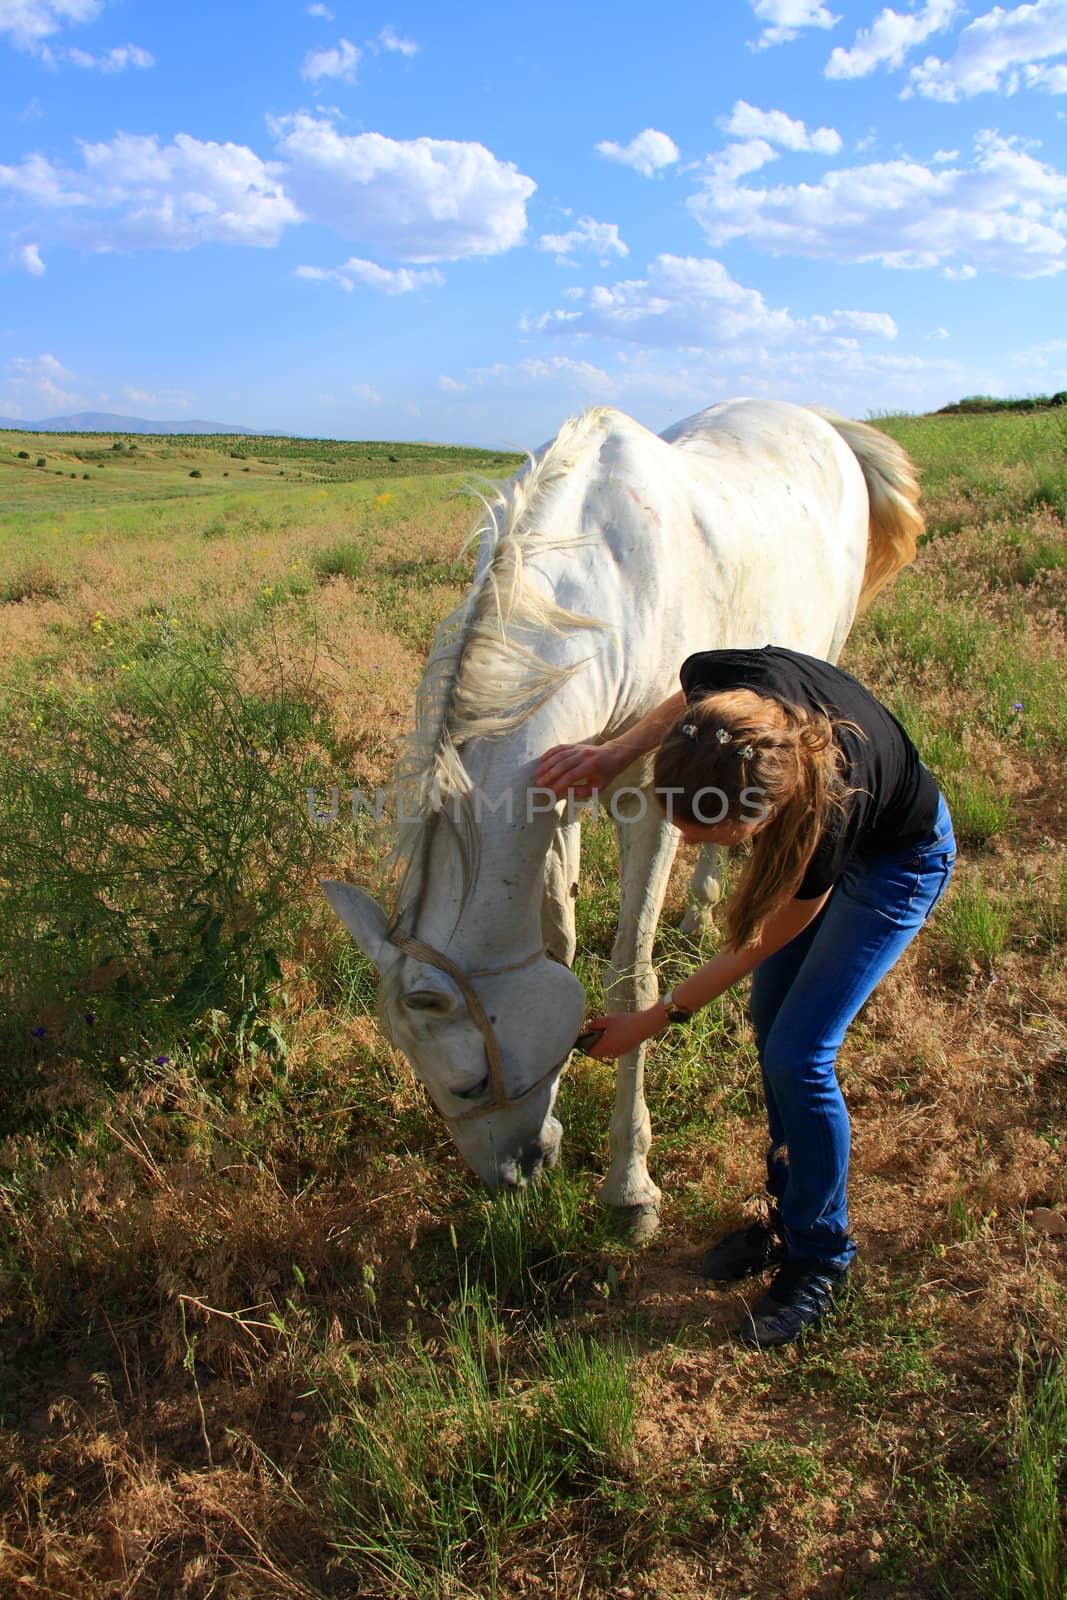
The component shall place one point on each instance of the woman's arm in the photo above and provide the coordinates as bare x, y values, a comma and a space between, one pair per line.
581, 769
624, 1030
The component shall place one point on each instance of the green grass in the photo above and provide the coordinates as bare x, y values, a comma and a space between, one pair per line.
445, 1455
974, 925
149, 883
226, 1198
340, 561
1029, 1556
981, 809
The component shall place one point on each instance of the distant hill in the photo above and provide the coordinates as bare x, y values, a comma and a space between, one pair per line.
108, 422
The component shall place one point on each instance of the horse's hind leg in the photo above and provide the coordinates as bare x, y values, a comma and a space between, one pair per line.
561, 892
705, 890
646, 851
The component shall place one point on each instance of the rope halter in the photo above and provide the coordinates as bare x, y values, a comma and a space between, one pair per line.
499, 1099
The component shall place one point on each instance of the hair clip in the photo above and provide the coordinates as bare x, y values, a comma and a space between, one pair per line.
722, 735
747, 753
690, 730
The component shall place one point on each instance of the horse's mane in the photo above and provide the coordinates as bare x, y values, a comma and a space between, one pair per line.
483, 677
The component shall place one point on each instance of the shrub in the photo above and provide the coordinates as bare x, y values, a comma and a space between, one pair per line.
340, 561
41, 461
36, 582
24, 455
153, 850
196, 473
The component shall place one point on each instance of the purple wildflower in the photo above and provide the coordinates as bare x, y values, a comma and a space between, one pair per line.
38, 1033
90, 1017
161, 1061
1018, 706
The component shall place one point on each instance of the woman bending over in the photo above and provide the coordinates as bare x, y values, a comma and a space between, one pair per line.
851, 848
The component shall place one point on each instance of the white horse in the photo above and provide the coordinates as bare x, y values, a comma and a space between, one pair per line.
603, 564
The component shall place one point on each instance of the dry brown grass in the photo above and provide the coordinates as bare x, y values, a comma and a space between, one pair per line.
186, 1256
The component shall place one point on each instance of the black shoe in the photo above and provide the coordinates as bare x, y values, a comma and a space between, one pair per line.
744, 1253
801, 1292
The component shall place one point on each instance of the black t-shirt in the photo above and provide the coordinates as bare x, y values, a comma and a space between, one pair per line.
895, 798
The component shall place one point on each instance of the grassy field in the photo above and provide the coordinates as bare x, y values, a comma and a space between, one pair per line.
262, 1337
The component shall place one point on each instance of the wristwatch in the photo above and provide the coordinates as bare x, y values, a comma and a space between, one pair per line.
676, 1012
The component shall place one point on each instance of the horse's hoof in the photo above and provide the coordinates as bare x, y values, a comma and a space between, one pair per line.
696, 922
637, 1224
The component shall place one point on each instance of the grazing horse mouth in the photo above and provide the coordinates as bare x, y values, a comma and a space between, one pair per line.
481, 1089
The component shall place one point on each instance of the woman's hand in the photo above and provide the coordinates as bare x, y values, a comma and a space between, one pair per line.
621, 1031
580, 769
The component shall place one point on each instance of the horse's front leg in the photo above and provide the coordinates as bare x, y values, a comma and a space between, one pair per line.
705, 890
646, 851
561, 892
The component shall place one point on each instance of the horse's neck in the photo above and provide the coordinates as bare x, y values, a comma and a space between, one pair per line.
500, 918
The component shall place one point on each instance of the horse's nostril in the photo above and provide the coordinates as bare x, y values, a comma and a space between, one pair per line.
530, 1161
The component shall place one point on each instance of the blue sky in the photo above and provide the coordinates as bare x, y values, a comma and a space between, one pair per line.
467, 222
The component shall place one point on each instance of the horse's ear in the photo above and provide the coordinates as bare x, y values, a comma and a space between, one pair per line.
365, 921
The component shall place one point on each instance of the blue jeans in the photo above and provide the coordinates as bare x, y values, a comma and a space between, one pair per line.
803, 999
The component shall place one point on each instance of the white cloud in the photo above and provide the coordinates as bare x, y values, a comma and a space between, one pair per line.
584, 375
738, 159
389, 39
418, 200
149, 195
340, 62
1002, 213
29, 22
998, 52
116, 60
451, 385
785, 18
878, 324
365, 392
29, 258
319, 10
938, 334
1050, 357
39, 383
748, 122
889, 38
401, 280
693, 303
959, 274
594, 238
646, 153
172, 399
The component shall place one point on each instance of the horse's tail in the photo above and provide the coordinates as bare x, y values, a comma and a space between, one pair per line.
893, 493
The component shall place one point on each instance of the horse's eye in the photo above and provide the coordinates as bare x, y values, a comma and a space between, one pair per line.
427, 1000
473, 1094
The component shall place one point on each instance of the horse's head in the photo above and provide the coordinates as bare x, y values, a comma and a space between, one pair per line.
489, 1047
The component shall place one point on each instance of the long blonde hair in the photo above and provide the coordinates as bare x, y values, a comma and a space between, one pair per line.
757, 755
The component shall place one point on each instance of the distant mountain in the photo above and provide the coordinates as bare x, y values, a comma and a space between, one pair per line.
108, 422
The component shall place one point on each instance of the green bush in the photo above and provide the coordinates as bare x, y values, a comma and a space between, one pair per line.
155, 848
340, 561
